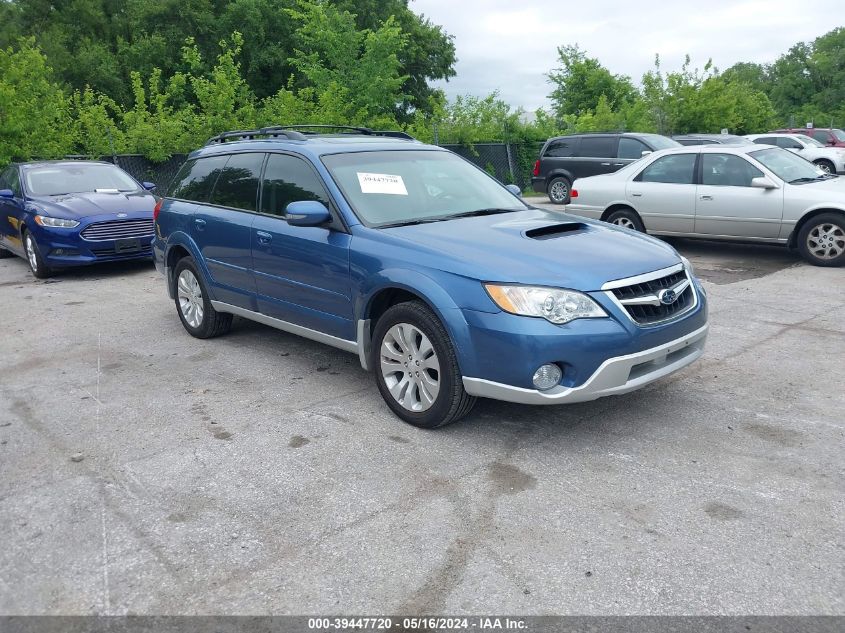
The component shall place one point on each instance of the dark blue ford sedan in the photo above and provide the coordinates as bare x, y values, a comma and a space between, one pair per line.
58, 214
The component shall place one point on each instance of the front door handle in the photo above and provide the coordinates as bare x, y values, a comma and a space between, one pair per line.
264, 237
705, 197
200, 223
605, 164
637, 194
618, 164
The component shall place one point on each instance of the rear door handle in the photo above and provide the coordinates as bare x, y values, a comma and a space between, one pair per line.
200, 223
264, 237
706, 197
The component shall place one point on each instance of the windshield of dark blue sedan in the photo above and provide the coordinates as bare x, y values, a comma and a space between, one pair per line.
56, 180
404, 187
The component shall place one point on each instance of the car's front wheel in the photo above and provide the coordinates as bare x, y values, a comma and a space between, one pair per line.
416, 367
194, 305
821, 241
33, 256
826, 166
559, 189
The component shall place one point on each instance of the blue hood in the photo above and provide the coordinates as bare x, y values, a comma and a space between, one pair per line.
538, 247
75, 206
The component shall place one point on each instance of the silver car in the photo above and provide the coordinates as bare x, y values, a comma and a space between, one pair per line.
754, 193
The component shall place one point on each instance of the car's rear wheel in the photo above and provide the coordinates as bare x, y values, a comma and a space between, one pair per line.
559, 189
821, 241
33, 257
626, 218
416, 367
826, 166
193, 304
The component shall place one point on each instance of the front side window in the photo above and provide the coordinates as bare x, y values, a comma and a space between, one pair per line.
786, 165
289, 179
821, 136
839, 135
237, 184
409, 186
787, 142
196, 179
11, 180
677, 169
727, 170
631, 148
809, 141
58, 179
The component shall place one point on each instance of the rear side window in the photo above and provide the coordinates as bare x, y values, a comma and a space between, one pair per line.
788, 143
237, 184
597, 147
675, 169
727, 170
562, 148
632, 148
196, 179
766, 140
289, 179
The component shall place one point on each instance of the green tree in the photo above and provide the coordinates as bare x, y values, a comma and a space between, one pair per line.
580, 81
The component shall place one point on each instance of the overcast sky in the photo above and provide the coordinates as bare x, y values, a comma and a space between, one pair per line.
509, 45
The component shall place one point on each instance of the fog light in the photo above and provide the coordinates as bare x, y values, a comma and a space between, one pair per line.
547, 376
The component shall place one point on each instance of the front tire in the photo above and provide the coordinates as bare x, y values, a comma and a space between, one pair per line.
416, 367
627, 218
821, 241
193, 304
826, 166
559, 189
33, 257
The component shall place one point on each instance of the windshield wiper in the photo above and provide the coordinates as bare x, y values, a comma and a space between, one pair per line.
806, 179
441, 218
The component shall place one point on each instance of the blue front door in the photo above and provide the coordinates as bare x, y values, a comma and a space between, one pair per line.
301, 273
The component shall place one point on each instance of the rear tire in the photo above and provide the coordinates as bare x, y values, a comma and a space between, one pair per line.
193, 304
821, 241
559, 189
33, 257
416, 367
826, 166
626, 218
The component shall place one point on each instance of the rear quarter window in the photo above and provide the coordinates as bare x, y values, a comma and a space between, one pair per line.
561, 148
196, 179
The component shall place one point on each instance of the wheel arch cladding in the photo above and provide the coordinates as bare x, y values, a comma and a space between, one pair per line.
619, 207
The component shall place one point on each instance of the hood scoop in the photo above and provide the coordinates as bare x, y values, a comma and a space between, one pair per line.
554, 230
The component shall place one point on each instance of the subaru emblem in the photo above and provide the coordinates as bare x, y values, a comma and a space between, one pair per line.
667, 296
121, 215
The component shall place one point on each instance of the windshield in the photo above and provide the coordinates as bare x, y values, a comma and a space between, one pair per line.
60, 179
786, 165
808, 140
839, 134
660, 142
402, 187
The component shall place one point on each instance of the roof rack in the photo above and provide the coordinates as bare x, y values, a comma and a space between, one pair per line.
240, 135
349, 129
293, 133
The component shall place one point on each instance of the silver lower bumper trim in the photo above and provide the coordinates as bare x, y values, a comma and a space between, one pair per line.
615, 375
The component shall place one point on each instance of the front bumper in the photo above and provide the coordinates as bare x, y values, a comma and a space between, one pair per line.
65, 248
615, 376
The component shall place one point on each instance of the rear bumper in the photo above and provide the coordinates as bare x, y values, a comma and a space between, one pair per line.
616, 375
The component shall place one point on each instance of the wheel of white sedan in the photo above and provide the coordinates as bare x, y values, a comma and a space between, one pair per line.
626, 218
821, 240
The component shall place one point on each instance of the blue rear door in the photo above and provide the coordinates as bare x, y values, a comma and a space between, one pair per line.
222, 227
301, 273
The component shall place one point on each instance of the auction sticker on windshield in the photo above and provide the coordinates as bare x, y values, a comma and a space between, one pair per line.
382, 183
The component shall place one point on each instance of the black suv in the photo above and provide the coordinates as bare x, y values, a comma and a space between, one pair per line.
565, 158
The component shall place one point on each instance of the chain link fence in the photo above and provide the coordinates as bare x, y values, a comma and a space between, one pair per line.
509, 163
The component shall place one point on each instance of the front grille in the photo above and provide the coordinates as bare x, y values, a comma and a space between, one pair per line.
118, 230
112, 254
642, 304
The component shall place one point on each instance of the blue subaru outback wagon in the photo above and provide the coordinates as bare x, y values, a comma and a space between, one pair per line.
444, 282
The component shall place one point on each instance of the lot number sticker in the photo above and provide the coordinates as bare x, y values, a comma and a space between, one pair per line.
382, 183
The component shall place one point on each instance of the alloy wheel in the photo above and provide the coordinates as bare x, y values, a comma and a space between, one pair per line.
558, 191
31, 253
410, 367
826, 241
191, 303
625, 222
824, 167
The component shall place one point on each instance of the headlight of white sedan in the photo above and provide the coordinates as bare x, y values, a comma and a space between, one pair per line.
556, 305
56, 223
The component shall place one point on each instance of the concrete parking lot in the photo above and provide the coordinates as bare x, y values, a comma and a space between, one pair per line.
144, 471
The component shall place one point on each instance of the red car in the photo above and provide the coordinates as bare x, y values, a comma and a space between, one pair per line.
834, 137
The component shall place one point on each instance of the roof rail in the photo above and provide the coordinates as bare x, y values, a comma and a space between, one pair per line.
291, 133
348, 128
240, 135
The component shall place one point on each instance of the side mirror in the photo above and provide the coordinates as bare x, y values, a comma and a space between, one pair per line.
149, 186
307, 213
761, 182
7, 193
645, 152
515, 190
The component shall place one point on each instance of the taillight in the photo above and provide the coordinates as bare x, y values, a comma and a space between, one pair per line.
537, 167
573, 193
156, 209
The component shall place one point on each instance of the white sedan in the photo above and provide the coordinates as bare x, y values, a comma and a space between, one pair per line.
749, 192
829, 159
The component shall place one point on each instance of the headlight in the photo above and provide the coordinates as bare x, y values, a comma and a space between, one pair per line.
56, 223
553, 304
688, 265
